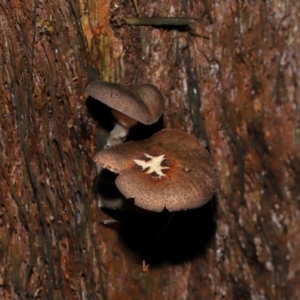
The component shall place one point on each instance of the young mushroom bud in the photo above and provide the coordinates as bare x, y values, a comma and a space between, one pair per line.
142, 103
169, 170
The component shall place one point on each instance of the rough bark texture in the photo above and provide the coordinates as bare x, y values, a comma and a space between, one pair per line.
46, 237
232, 80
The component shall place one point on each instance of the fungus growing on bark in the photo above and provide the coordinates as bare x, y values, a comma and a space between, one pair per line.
141, 103
169, 170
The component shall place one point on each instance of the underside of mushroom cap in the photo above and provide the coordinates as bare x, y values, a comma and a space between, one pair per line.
170, 170
143, 103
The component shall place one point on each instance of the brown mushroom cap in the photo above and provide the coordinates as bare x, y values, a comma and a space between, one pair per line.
143, 103
170, 170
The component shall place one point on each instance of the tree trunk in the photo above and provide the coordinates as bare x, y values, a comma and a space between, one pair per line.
231, 78
47, 247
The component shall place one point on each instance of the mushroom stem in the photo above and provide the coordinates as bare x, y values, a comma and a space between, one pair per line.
123, 118
117, 135
123, 123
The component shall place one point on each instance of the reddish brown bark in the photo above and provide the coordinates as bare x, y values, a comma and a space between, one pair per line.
46, 232
232, 80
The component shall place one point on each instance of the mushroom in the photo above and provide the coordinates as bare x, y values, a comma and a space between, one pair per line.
169, 170
142, 103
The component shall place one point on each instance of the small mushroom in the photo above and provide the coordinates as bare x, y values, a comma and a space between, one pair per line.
169, 170
142, 103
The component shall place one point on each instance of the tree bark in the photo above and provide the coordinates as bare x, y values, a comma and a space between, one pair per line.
231, 79
47, 245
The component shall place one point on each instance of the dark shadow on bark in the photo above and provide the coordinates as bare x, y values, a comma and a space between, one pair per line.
100, 113
173, 237
141, 131
104, 185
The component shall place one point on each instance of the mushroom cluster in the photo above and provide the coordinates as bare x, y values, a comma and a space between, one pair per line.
169, 170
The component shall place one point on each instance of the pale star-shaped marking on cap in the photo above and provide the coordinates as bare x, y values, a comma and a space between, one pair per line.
154, 164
